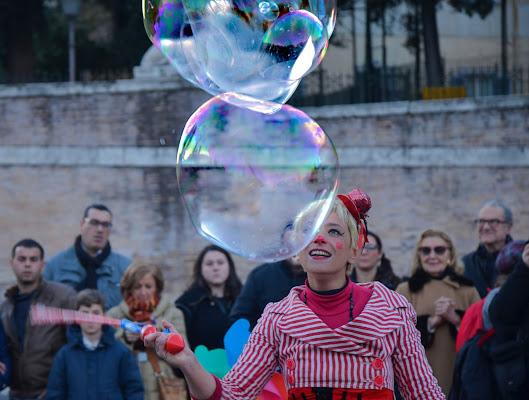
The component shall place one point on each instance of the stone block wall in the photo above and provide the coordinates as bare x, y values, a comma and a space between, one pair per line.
424, 164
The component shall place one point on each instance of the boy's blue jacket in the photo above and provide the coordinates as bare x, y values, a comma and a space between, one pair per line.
110, 372
5, 357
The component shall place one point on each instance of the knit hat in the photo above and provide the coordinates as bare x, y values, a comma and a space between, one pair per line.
509, 256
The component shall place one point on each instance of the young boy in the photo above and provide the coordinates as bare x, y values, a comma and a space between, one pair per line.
92, 365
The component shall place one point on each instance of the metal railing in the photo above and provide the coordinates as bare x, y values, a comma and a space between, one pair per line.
324, 88
86, 75
398, 84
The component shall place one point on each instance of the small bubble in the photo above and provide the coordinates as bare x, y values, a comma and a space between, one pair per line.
162, 141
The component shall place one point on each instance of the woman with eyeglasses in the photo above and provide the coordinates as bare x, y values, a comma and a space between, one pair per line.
373, 265
440, 295
331, 338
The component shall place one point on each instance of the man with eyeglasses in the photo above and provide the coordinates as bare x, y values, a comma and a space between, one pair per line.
90, 262
494, 225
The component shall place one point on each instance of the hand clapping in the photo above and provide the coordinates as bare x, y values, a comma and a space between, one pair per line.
445, 311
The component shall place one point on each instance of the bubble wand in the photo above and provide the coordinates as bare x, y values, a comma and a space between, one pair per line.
44, 315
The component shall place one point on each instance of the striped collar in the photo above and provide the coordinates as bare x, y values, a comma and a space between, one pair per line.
379, 318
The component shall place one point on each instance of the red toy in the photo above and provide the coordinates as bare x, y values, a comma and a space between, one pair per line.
175, 343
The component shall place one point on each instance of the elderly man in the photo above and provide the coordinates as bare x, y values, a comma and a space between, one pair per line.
494, 224
90, 262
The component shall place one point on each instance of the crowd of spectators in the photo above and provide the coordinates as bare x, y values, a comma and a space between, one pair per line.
455, 300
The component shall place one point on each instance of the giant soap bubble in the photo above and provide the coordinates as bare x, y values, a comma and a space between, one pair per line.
245, 176
260, 49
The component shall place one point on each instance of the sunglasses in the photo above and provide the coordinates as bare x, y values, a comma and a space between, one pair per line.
439, 250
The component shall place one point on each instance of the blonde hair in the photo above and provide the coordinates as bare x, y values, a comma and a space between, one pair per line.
309, 215
453, 263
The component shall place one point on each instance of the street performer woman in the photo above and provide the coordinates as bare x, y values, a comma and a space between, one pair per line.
331, 338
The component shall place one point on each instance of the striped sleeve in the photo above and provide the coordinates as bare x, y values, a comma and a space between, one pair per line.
255, 365
414, 374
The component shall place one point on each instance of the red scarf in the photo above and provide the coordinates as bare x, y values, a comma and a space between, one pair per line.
141, 310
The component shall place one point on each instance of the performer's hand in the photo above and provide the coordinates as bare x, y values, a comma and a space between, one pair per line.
131, 337
42, 395
158, 342
3, 368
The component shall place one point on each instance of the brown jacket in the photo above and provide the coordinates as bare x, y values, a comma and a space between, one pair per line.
441, 345
165, 310
31, 366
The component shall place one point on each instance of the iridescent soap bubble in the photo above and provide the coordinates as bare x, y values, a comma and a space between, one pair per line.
245, 176
268, 10
225, 46
297, 42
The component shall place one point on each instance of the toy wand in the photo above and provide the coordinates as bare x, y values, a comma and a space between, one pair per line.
44, 315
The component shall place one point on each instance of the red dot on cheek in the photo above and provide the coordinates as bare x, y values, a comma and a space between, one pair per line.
339, 245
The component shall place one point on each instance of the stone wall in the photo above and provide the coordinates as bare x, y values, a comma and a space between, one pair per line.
424, 164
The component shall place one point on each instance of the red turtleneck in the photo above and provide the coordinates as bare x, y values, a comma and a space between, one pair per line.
334, 309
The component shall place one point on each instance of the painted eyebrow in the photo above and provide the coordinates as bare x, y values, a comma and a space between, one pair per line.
333, 224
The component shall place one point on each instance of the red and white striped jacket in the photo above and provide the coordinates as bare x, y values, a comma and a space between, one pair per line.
366, 353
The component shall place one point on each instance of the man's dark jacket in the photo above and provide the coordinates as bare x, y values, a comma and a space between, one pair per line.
31, 363
267, 283
480, 268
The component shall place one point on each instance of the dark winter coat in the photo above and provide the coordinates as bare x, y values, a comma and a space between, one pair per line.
480, 268
509, 314
107, 373
494, 365
32, 360
267, 283
4, 357
206, 316
384, 275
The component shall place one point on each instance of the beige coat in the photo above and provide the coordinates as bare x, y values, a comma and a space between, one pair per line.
442, 353
165, 310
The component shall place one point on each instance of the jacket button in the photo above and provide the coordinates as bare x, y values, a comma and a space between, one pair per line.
291, 380
379, 380
378, 363
291, 364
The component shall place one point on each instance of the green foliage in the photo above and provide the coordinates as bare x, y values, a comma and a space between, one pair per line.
120, 44
469, 7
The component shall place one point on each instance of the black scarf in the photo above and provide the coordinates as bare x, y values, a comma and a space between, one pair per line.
90, 264
421, 277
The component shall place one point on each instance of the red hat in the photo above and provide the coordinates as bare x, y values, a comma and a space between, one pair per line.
358, 203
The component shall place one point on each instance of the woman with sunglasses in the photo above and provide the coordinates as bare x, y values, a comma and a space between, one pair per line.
440, 295
331, 338
373, 265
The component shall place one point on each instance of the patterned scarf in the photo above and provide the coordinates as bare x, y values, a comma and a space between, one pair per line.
141, 310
